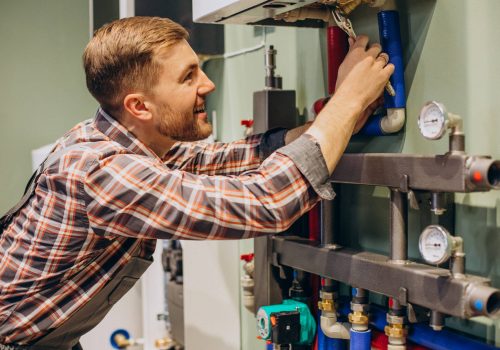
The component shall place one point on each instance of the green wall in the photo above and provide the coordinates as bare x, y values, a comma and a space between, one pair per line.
42, 89
451, 50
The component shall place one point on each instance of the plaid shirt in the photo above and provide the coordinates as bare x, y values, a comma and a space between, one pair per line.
92, 205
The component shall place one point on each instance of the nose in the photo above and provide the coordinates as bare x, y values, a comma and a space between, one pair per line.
206, 85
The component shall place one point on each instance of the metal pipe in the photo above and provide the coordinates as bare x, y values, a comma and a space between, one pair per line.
483, 300
465, 297
398, 226
438, 203
270, 66
437, 320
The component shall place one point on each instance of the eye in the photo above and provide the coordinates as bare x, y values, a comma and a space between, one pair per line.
188, 76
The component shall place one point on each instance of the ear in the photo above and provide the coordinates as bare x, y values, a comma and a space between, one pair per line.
136, 105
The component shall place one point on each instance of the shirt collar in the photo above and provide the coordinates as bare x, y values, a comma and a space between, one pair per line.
112, 128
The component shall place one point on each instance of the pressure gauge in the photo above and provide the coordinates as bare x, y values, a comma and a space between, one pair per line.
435, 244
432, 120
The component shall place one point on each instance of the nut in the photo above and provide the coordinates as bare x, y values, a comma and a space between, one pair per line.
396, 331
326, 305
357, 317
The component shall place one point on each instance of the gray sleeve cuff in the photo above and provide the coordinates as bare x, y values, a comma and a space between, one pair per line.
306, 154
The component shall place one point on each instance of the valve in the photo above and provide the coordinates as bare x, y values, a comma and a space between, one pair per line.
248, 124
247, 282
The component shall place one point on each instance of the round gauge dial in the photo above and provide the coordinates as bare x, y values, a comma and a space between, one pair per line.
432, 120
435, 244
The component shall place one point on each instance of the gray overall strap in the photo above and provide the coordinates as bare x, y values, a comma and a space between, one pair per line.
30, 187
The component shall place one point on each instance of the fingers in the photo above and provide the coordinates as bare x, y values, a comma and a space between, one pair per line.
388, 70
382, 59
374, 50
361, 41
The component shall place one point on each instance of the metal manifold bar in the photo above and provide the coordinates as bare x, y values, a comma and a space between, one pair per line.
441, 173
414, 283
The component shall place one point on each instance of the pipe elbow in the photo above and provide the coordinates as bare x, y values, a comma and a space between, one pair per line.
393, 121
333, 329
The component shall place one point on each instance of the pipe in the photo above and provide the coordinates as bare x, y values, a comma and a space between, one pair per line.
390, 39
332, 328
484, 173
436, 321
424, 335
398, 226
483, 300
337, 45
325, 343
360, 340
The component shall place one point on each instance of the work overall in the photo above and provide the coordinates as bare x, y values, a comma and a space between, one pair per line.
67, 336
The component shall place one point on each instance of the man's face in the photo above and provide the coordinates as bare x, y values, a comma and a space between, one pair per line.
179, 96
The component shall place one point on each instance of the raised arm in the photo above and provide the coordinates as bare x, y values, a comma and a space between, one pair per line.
219, 158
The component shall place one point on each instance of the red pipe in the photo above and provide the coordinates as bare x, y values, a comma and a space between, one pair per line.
337, 45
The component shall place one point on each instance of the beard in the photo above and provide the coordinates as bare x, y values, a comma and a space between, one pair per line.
182, 126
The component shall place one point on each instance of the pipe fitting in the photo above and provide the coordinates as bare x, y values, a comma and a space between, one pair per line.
333, 329
483, 300
396, 331
358, 318
393, 121
483, 173
326, 305
436, 320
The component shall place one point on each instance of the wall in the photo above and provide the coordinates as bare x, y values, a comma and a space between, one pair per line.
42, 95
450, 52
43, 92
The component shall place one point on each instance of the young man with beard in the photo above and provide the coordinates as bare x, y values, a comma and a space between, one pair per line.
88, 224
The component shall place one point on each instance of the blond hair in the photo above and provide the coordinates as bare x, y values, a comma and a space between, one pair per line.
120, 57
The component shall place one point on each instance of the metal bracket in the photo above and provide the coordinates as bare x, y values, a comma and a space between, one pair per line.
275, 259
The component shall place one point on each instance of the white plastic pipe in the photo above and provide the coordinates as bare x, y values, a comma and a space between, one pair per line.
332, 328
393, 121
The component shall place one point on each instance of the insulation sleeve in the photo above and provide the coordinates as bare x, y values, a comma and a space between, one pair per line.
360, 340
390, 39
372, 126
337, 45
424, 335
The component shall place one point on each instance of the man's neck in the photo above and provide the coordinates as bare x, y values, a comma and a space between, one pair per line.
158, 143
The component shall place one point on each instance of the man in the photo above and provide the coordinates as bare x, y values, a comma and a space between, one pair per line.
113, 185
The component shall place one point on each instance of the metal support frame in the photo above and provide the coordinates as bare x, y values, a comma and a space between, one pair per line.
399, 227
435, 173
419, 284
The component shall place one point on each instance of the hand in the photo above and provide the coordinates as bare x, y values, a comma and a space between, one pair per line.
362, 63
362, 79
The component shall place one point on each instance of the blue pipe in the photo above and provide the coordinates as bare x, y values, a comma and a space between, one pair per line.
424, 335
360, 340
325, 343
372, 126
390, 39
